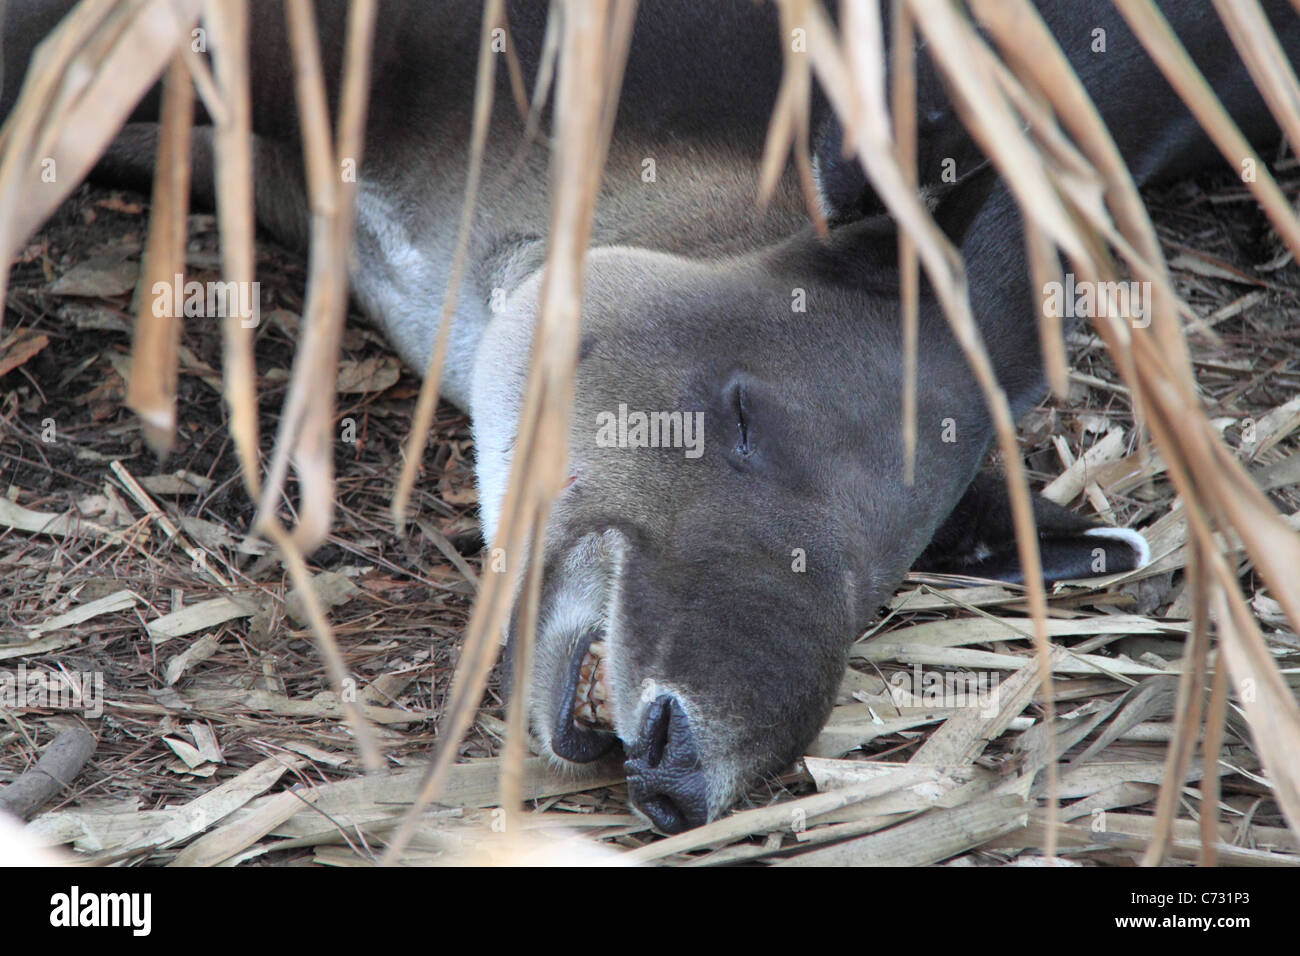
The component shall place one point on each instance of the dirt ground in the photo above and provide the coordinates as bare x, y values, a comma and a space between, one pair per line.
191, 705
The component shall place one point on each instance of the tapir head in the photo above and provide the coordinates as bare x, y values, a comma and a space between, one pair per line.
737, 510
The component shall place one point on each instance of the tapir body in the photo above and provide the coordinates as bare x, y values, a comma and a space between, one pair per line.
737, 511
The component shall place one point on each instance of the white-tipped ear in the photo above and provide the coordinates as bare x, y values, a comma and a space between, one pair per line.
1130, 537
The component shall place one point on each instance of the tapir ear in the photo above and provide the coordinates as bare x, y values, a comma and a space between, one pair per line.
978, 539
955, 205
862, 235
953, 174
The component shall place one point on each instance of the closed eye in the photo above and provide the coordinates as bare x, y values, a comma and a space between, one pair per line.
744, 448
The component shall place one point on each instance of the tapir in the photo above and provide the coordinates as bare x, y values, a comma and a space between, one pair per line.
737, 510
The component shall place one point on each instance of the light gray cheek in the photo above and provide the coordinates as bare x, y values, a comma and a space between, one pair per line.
398, 277
496, 397
591, 575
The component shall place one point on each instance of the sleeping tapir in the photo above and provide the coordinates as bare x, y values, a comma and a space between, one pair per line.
737, 511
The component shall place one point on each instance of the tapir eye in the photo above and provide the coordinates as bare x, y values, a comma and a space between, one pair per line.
740, 408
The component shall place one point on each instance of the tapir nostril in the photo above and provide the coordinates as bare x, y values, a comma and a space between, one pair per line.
655, 728
665, 778
664, 814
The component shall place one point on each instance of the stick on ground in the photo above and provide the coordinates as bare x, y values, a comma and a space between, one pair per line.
57, 768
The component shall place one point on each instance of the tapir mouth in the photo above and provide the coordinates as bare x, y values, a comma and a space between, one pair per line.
584, 726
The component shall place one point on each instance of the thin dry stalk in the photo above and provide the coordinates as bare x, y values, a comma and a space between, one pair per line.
541, 93
789, 127
1045, 267
516, 745
1032, 52
592, 53
864, 114
1155, 34
1159, 371
562, 307
1191, 685
307, 419
151, 391
1266, 61
427, 404
903, 105
233, 170
294, 562
1215, 720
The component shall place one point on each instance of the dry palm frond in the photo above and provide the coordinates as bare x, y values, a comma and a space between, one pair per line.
85, 79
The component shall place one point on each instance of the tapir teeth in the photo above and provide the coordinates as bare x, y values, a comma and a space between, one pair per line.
591, 696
